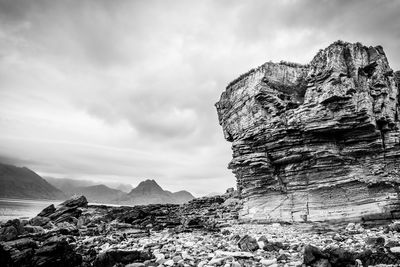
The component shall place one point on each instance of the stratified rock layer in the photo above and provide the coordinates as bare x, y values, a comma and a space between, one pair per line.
316, 142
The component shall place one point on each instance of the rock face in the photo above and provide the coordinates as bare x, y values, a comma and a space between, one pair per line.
316, 142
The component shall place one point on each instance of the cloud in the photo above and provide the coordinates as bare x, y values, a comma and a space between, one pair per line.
125, 90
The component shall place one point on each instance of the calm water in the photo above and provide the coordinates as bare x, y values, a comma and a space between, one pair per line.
22, 208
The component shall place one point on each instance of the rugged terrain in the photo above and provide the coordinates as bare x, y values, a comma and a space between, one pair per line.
316, 142
203, 232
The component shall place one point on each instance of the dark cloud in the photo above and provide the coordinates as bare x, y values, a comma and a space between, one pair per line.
125, 90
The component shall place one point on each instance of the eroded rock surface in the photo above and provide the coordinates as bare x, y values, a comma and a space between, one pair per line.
316, 142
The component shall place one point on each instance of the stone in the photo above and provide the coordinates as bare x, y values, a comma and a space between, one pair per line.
112, 257
395, 226
47, 211
11, 229
8, 233
322, 263
316, 142
5, 257
312, 254
78, 201
56, 251
177, 258
269, 262
21, 243
226, 232
395, 249
169, 262
39, 220
248, 243
136, 264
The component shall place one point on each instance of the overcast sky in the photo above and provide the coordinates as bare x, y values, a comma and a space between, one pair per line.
125, 90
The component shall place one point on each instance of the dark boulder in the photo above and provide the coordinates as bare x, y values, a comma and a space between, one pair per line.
66, 214
273, 246
39, 220
5, 257
313, 254
339, 257
248, 243
193, 223
10, 230
20, 251
8, 233
75, 202
21, 243
112, 257
56, 251
46, 212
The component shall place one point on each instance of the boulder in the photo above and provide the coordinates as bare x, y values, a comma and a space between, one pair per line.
112, 257
312, 255
21, 243
39, 220
11, 229
21, 251
5, 257
47, 211
248, 243
78, 201
56, 251
8, 233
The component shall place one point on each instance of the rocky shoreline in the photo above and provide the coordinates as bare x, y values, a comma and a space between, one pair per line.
203, 232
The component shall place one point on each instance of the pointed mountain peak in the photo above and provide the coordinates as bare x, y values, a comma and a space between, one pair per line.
148, 182
147, 186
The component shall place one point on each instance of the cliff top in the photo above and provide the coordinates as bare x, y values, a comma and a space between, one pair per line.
297, 65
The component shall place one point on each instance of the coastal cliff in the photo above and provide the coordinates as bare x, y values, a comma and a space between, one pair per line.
316, 142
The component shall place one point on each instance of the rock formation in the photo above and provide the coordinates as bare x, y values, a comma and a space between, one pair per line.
316, 142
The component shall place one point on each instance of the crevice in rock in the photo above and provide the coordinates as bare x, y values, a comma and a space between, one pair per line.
368, 70
382, 127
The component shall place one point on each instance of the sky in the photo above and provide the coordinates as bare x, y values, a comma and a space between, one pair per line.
124, 91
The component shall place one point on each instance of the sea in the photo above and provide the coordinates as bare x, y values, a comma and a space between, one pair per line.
22, 208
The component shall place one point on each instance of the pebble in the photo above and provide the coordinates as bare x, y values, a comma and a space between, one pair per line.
395, 249
266, 262
169, 262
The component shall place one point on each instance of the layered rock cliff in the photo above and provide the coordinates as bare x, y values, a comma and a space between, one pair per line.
316, 142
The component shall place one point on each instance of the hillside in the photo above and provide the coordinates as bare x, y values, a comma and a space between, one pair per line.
98, 193
21, 182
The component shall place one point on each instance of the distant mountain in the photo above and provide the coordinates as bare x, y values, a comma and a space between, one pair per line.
149, 192
123, 187
182, 196
21, 182
98, 194
70, 185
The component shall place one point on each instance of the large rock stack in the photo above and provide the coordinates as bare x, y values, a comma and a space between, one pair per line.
316, 142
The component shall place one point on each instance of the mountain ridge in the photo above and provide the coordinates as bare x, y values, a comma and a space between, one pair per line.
150, 192
22, 182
